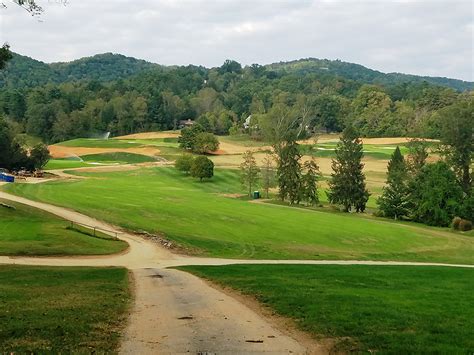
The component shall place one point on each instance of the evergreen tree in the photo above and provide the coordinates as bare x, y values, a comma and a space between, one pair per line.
417, 155
435, 195
309, 182
394, 201
249, 171
268, 174
289, 172
347, 184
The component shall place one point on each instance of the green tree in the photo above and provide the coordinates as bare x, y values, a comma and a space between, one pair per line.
5, 55
394, 202
202, 168
39, 156
309, 182
268, 174
457, 137
204, 143
188, 136
289, 173
184, 163
249, 171
435, 195
417, 155
347, 184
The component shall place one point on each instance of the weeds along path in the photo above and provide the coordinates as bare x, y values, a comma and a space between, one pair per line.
175, 312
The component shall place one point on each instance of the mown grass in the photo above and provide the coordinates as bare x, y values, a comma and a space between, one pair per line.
199, 217
119, 143
375, 151
383, 309
28, 231
117, 158
53, 310
112, 158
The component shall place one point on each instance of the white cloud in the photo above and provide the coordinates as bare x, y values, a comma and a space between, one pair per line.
420, 37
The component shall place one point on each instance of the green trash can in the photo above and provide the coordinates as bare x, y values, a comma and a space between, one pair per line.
256, 195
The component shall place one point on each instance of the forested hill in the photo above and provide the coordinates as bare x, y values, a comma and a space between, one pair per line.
23, 71
358, 72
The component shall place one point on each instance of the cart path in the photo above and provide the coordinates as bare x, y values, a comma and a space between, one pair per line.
213, 321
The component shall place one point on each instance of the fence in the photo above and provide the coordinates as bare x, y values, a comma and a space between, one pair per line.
94, 231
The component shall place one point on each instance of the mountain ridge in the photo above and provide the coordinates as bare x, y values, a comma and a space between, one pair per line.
24, 71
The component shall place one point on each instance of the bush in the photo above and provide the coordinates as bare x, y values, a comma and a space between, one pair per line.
184, 163
465, 225
455, 223
462, 224
202, 167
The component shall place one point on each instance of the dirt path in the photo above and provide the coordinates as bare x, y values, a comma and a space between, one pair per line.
175, 312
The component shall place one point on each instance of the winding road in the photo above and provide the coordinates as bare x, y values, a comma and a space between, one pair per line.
175, 312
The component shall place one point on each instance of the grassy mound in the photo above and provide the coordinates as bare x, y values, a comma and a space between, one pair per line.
29, 231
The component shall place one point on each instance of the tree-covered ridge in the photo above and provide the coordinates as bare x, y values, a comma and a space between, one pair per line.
223, 100
360, 73
22, 71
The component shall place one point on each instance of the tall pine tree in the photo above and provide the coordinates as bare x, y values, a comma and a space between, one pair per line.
347, 184
289, 173
394, 202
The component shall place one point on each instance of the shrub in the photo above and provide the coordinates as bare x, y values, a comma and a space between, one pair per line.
202, 167
465, 225
455, 223
184, 163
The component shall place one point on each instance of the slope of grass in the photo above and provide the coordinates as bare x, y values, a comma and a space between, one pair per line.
119, 143
57, 164
28, 231
397, 310
198, 216
117, 158
53, 310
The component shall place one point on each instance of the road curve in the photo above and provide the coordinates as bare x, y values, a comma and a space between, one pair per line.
175, 312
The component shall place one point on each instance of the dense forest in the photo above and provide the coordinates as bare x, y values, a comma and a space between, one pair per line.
121, 95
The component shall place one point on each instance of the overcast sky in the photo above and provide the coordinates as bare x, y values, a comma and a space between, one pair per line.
417, 37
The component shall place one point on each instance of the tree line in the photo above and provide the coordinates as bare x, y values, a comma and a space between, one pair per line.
435, 193
222, 99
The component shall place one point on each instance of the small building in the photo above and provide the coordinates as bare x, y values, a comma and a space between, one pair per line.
185, 123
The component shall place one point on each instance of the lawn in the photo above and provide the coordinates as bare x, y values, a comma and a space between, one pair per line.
113, 158
62, 310
202, 218
384, 309
370, 150
119, 143
29, 231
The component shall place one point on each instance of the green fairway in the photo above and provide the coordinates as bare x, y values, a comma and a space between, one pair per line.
199, 217
56, 164
90, 160
51, 310
119, 143
29, 231
383, 309
370, 150
117, 158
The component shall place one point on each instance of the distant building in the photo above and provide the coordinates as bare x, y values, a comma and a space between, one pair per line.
185, 123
